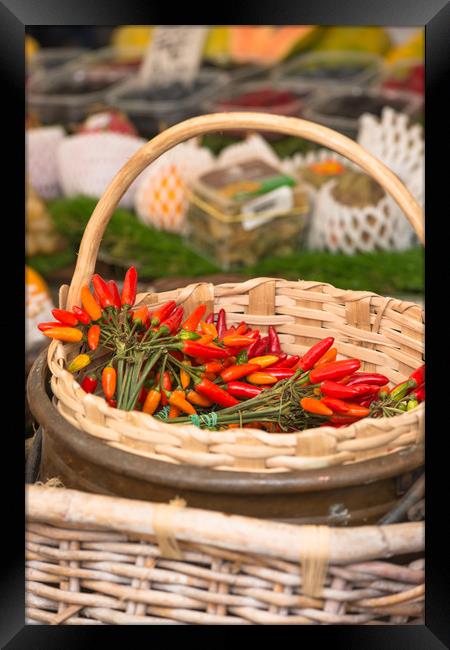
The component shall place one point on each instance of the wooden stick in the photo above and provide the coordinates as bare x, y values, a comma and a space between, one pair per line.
224, 122
66, 507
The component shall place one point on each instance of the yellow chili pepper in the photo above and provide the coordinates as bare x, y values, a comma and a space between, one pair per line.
261, 378
265, 361
80, 362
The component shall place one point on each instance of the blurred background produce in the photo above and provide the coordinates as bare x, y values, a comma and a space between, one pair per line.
90, 106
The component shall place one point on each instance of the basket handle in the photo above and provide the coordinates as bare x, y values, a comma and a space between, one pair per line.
224, 122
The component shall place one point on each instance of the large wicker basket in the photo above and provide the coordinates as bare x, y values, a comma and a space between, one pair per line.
385, 333
100, 560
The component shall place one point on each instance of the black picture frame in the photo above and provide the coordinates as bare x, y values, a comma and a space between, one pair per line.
434, 15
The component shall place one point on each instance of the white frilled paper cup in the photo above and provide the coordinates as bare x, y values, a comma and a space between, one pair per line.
42, 144
160, 199
87, 163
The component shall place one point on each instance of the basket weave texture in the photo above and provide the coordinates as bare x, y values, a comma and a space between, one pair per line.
386, 334
94, 560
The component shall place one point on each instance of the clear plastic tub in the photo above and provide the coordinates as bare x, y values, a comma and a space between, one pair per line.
233, 231
52, 57
151, 111
238, 72
331, 68
68, 93
341, 108
277, 96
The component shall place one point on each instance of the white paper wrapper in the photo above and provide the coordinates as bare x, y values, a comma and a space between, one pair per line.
42, 144
336, 227
160, 199
88, 162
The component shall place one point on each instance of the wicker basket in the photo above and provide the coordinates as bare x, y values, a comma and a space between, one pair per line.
386, 334
101, 560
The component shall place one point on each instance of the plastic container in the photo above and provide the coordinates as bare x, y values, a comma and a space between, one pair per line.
277, 96
233, 225
67, 94
238, 72
53, 57
153, 111
405, 75
330, 68
340, 109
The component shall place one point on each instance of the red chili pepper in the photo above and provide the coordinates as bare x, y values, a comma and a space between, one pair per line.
109, 378
315, 353
253, 334
194, 349
336, 405
142, 395
166, 386
221, 324
419, 393
282, 357
367, 378
129, 287
82, 315
236, 372
215, 393
192, 322
212, 366
259, 348
173, 322
112, 403
418, 375
115, 294
274, 341
102, 291
210, 318
89, 383
343, 419
334, 371
93, 336
242, 328
333, 389
50, 325
241, 390
65, 317
280, 373
140, 316
288, 362
162, 313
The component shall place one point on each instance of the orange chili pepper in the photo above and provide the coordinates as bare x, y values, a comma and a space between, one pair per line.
178, 399
198, 400
151, 401
205, 339
208, 328
93, 336
174, 412
315, 406
328, 357
357, 411
261, 378
265, 361
67, 334
109, 379
214, 366
90, 304
234, 341
241, 328
184, 376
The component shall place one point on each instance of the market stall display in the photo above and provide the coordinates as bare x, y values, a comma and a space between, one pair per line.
341, 109
42, 143
66, 94
41, 237
152, 110
328, 68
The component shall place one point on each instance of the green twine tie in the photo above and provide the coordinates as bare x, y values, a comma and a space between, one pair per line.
209, 420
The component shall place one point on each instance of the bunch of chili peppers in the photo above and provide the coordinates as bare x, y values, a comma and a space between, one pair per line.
197, 369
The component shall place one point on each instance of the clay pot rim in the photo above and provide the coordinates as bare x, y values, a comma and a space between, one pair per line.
199, 479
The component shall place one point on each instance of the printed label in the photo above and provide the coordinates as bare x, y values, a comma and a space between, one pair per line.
174, 54
254, 213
